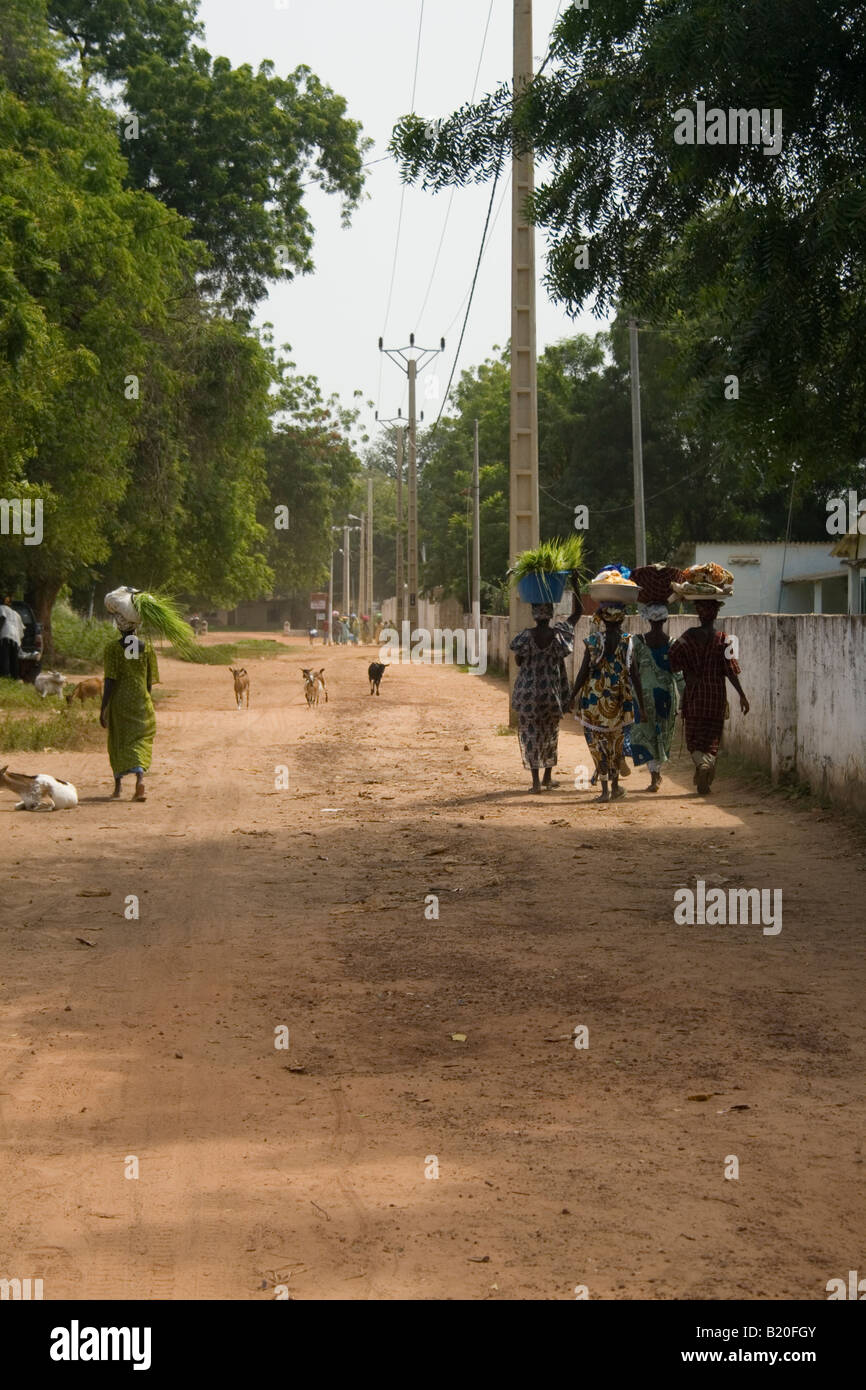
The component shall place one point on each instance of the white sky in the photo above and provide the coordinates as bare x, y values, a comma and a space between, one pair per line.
365, 50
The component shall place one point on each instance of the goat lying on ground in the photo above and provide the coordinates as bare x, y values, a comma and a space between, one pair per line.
91, 689
314, 683
242, 684
376, 671
35, 791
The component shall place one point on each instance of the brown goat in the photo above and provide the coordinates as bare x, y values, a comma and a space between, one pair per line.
90, 689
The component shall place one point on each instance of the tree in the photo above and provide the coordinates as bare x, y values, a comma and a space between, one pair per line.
752, 259
311, 463
88, 266
231, 149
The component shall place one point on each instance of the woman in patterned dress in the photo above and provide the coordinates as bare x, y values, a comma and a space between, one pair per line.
606, 699
658, 691
127, 708
702, 654
541, 695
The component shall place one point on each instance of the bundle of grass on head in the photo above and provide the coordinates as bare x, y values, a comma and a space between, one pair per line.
160, 617
550, 557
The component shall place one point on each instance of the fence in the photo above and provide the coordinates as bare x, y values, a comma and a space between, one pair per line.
805, 679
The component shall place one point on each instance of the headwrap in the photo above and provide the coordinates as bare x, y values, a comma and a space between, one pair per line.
612, 612
654, 612
122, 609
542, 610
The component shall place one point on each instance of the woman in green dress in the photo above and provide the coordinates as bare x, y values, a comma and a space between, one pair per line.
127, 708
659, 693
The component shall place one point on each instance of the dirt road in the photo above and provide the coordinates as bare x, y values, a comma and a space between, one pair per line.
262, 907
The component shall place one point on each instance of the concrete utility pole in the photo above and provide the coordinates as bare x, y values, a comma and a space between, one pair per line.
400, 583
476, 547
329, 636
368, 597
523, 527
347, 573
415, 359
637, 447
362, 564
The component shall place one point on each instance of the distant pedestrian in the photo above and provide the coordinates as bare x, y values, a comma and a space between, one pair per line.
702, 654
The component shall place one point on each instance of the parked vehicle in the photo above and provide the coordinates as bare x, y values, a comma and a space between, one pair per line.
30, 660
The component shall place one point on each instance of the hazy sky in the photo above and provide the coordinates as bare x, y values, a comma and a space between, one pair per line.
365, 50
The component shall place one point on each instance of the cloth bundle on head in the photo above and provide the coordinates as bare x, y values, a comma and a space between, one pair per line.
654, 612
655, 582
542, 610
156, 615
122, 609
611, 612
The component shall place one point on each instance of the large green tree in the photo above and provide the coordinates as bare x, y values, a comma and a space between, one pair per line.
752, 260
231, 149
88, 270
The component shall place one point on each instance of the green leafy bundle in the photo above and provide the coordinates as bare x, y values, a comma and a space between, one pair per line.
160, 617
550, 557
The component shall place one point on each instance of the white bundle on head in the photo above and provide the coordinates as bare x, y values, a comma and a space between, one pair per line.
122, 609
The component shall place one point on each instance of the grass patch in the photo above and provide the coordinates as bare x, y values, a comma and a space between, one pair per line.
57, 729
503, 730
15, 695
227, 653
78, 639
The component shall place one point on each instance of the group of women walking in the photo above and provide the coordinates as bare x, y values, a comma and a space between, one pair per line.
628, 690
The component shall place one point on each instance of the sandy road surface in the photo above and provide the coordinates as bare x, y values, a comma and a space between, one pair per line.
305, 907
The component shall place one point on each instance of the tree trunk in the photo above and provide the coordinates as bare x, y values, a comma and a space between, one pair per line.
45, 593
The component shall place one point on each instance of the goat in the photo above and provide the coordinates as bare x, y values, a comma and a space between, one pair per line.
242, 685
90, 689
36, 790
314, 682
49, 683
375, 672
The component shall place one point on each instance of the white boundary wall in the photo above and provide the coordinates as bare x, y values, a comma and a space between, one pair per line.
804, 677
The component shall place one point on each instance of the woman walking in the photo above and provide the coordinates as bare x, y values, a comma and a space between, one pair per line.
658, 691
130, 672
540, 697
702, 655
605, 698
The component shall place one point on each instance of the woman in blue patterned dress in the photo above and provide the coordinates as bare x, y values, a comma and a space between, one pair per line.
659, 692
541, 690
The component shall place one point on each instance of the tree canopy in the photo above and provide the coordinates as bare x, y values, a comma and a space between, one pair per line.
751, 260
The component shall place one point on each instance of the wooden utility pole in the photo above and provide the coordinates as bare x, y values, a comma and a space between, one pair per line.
523, 528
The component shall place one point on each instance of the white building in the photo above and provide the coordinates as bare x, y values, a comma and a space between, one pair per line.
785, 577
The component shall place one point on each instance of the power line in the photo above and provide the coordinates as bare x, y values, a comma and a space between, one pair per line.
471, 288
400, 213
453, 190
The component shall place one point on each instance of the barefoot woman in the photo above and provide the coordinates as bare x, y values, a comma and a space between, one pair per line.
540, 695
605, 698
127, 708
130, 671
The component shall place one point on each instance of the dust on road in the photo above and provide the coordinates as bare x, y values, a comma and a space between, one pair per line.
304, 907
